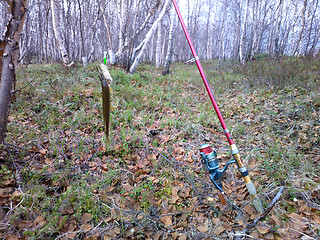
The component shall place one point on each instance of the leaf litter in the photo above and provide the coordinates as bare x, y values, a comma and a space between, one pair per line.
149, 183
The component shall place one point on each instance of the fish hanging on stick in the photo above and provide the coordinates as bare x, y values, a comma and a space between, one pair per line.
105, 79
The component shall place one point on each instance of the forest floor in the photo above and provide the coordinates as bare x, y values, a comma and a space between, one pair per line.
58, 181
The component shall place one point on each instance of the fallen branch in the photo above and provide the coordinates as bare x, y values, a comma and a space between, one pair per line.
29, 83
265, 213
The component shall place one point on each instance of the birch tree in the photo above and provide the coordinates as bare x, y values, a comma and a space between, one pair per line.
143, 45
242, 47
9, 49
55, 8
158, 45
168, 59
303, 26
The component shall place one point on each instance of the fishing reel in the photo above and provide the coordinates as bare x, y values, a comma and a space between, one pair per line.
211, 165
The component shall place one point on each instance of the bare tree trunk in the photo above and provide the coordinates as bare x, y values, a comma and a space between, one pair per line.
148, 37
303, 17
242, 50
170, 43
9, 49
55, 7
158, 47
121, 14
306, 51
110, 48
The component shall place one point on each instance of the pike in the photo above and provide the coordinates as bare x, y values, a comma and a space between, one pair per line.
105, 79
206, 150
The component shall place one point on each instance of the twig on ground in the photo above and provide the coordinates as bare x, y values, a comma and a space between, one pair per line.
266, 212
29, 83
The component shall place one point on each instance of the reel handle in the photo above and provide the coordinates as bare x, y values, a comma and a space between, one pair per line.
222, 198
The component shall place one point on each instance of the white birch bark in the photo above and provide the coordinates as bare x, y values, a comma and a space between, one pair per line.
148, 38
109, 48
158, 46
9, 50
303, 26
121, 9
55, 7
170, 42
242, 51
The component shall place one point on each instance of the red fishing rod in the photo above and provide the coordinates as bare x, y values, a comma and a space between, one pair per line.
208, 155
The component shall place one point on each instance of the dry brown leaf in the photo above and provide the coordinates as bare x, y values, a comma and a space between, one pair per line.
211, 199
12, 237
284, 232
48, 161
72, 226
269, 236
43, 152
93, 237
172, 208
248, 209
5, 191
130, 232
203, 229
219, 230
117, 230
86, 227
39, 221
66, 210
316, 219
127, 187
295, 216
215, 221
275, 219
156, 236
86, 217
167, 220
255, 234
174, 199
263, 229
182, 236
107, 237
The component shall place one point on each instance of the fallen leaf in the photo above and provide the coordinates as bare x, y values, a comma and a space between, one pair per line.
117, 230
93, 237
127, 187
86, 217
215, 221
167, 220
174, 199
219, 230
130, 232
12, 237
203, 229
248, 209
275, 219
262, 229
86, 227
316, 219
269, 236
156, 236
182, 236
39, 221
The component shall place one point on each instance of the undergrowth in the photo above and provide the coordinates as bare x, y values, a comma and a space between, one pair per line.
60, 181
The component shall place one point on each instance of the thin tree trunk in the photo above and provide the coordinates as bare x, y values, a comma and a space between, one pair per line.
148, 37
302, 27
8, 60
55, 7
306, 51
158, 47
242, 50
170, 43
109, 47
